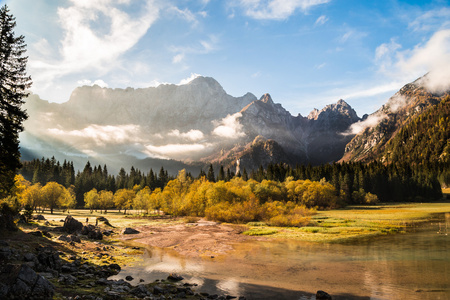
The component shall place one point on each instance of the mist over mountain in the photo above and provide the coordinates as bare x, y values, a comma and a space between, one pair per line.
191, 124
378, 129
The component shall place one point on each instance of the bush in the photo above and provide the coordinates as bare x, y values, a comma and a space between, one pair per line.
7, 215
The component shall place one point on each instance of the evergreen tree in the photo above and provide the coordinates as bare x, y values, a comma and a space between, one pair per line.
244, 175
221, 175
210, 176
13, 85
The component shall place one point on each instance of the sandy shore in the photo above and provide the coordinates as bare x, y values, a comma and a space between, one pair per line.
204, 238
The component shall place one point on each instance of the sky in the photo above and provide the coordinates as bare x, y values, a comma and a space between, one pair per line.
305, 53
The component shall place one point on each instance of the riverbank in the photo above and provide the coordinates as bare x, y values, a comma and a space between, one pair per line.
197, 238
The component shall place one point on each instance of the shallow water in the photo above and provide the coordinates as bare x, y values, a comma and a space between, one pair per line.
415, 265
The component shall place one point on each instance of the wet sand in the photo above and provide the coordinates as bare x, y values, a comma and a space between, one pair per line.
204, 238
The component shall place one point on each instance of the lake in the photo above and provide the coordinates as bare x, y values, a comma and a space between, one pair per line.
414, 265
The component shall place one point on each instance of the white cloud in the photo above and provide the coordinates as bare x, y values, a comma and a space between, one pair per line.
202, 47
189, 79
98, 82
185, 14
396, 102
432, 20
321, 20
192, 135
433, 58
229, 127
175, 151
100, 135
96, 34
358, 92
385, 55
276, 9
371, 121
178, 58
322, 65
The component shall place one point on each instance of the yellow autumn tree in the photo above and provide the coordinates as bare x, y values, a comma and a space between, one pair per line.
91, 200
123, 199
53, 195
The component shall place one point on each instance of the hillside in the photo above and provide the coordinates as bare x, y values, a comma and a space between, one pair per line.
425, 139
379, 128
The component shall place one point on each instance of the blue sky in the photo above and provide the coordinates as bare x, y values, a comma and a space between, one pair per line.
305, 53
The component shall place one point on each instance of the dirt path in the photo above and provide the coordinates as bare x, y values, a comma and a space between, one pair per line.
203, 238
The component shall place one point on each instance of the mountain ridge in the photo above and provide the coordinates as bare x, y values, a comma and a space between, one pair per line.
192, 123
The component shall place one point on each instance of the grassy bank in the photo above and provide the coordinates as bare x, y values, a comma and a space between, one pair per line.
356, 222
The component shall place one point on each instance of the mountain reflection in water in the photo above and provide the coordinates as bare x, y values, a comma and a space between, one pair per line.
404, 266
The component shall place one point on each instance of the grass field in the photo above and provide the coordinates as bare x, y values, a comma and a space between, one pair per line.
358, 222
338, 225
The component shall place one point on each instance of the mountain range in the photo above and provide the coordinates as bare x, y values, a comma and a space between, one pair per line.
192, 125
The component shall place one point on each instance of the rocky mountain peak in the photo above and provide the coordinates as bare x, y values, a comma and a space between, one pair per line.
313, 114
266, 99
209, 82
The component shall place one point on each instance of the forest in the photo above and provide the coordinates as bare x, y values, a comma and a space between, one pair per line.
279, 195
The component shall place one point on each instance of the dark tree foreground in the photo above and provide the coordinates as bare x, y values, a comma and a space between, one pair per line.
13, 85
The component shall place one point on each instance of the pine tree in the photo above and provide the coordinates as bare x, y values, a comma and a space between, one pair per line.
13, 83
211, 177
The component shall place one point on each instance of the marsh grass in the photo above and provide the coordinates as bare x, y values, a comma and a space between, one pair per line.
360, 222
260, 231
329, 226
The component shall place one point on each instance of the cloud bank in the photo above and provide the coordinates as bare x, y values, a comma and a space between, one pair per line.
276, 9
88, 45
432, 57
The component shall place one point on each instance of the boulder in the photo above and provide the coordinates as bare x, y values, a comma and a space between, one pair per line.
72, 225
129, 230
22, 282
39, 217
175, 277
48, 259
140, 291
64, 238
75, 238
5, 253
92, 232
321, 295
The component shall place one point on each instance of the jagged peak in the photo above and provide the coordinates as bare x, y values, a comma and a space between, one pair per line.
313, 114
266, 98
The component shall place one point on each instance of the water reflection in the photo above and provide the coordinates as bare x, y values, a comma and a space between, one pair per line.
404, 266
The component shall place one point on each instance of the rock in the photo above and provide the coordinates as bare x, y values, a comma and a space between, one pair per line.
39, 217
4, 243
58, 228
114, 267
129, 230
95, 235
104, 220
321, 295
75, 238
129, 278
92, 232
72, 225
64, 238
5, 253
175, 277
22, 282
140, 291
36, 233
48, 259
157, 290
29, 257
